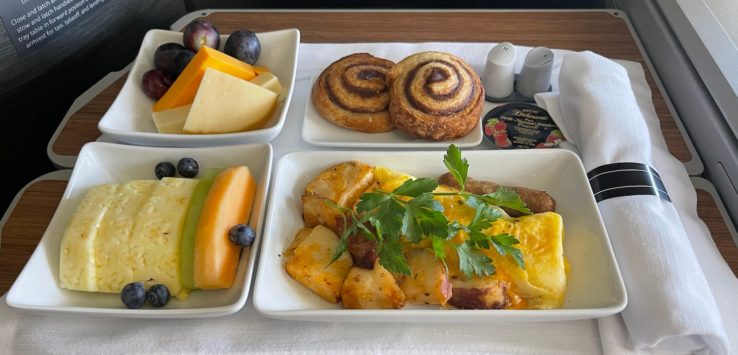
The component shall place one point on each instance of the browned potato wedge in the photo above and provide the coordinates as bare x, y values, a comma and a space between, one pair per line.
342, 184
299, 238
429, 282
307, 262
371, 289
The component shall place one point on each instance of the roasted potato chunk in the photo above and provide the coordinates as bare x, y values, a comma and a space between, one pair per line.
307, 260
429, 282
371, 289
342, 184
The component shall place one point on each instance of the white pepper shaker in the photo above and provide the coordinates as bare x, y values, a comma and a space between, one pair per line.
499, 71
535, 76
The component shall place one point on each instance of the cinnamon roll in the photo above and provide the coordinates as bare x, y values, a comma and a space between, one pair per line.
352, 93
435, 95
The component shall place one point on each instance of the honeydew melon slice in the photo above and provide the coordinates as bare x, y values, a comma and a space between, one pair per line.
187, 246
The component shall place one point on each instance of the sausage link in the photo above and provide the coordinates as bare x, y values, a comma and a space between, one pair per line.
537, 201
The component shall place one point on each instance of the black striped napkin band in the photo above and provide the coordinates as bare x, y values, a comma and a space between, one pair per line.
626, 179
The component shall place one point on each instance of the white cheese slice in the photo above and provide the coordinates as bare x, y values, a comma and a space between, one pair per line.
112, 257
268, 81
77, 258
172, 120
225, 104
154, 242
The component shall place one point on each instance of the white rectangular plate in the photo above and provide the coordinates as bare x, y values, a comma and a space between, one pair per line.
318, 131
594, 289
37, 287
129, 119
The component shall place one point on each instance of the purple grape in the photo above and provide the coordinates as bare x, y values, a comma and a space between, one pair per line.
156, 82
243, 45
181, 59
201, 33
172, 58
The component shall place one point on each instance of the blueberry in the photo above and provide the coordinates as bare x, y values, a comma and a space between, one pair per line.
133, 295
187, 167
165, 169
241, 235
158, 295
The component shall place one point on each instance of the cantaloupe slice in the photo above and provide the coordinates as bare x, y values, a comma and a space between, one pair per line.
228, 203
187, 246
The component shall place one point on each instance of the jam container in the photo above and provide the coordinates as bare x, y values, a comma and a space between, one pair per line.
521, 126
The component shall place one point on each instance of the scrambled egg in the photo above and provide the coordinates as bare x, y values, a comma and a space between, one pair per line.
542, 284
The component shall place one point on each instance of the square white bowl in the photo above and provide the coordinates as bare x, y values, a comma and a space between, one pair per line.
594, 289
318, 131
37, 286
129, 120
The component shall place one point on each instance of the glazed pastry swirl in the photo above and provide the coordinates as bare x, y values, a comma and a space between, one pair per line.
352, 93
435, 95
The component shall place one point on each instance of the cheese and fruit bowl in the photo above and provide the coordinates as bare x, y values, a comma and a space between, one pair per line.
201, 88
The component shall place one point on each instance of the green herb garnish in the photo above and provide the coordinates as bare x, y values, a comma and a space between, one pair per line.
411, 211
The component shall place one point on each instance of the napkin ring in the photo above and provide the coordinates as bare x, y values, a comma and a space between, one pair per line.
626, 179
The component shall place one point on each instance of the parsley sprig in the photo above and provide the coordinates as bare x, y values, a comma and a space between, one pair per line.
411, 211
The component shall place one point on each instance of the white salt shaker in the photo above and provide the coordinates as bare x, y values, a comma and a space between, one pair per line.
535, 76
499, 72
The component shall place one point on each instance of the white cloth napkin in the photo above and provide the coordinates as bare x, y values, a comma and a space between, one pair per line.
666, 264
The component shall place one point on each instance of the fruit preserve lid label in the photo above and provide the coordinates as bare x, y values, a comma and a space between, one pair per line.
521, 126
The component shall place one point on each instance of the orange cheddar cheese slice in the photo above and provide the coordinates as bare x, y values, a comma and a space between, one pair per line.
183, 90
228, 203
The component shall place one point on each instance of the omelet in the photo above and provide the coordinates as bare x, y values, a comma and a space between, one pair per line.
543, 281
388, 179
542, 284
